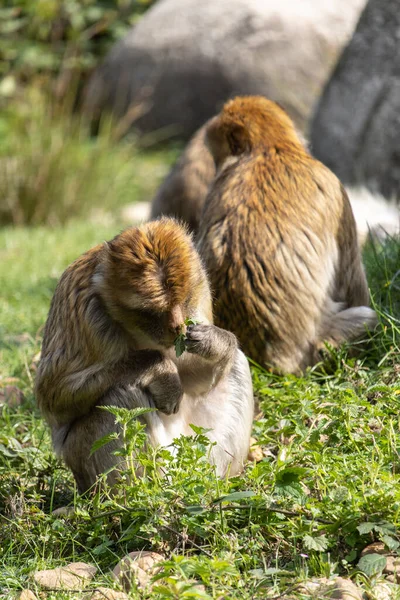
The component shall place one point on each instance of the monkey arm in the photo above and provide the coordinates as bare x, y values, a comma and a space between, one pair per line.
210, 355
66, 397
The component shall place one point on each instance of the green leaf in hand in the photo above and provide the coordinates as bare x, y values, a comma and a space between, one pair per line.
179, 341
180, 345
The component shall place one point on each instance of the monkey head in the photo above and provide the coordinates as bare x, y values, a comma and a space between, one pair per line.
249, 124
151, 279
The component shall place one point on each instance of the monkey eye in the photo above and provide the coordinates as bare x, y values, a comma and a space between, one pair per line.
148, 314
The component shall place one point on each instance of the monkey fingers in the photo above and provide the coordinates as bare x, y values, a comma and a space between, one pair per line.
210, 342
166, 392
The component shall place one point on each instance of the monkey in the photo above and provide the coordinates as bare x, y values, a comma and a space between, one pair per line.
279, 241
183, 192
109, 340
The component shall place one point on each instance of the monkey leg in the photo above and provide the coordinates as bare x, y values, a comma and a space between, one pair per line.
227, 412
350, 324
84, 432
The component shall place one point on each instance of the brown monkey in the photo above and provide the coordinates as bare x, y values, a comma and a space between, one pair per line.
279, 240
184, 190
109, 340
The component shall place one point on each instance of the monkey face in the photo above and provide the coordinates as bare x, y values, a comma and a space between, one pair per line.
150, 327
161, 328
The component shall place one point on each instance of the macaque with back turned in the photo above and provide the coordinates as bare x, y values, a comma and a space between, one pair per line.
279, 241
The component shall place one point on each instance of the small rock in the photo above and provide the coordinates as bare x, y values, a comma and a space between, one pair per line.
103, 593
138, 567
27, 595
312, 586
64, 511
255, 453
375, 548
335, 589
385, 591
12, 396
72, 577
393, 566
342, 589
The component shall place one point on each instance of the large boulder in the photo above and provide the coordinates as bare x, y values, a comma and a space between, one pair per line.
186, 57
356, 128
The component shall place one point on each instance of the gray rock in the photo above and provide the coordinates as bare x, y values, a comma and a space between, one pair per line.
136, 569
184, 59
334, 589
27, 595
385, 591
356, 127
12, 396
393, 567
74, 576
103, 593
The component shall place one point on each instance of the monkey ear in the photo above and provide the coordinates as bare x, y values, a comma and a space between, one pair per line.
110, 250
238, 139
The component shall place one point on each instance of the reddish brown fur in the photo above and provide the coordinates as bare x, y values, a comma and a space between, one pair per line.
279, 240
154, 261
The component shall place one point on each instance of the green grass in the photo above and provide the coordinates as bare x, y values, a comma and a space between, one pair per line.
328, 484
52, 169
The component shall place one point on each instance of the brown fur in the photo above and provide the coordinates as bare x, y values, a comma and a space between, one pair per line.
109, 339
184, 190
279, 241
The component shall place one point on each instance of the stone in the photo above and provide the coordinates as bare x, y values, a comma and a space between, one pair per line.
355, 129
342, 589
312, 586
385, 591
74, 576
12, 396
27, 595
335, 589
103, 593
182, 60
255, 453
393, 567
64, 511
137, 568
374, 548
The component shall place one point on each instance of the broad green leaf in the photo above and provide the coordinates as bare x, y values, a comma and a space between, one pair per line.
196, 509
390, 542
365, 528
372, 564
290, 475
320, 543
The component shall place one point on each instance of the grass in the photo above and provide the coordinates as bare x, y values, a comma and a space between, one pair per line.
52, 168
327, 486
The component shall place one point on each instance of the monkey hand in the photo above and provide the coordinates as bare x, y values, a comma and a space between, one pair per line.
210, 342
165, 387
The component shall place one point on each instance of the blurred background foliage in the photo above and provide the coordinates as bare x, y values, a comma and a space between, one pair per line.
54, 37
51, 167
